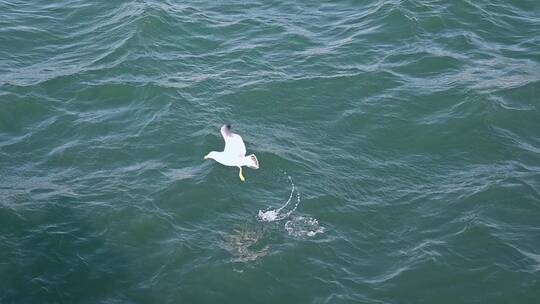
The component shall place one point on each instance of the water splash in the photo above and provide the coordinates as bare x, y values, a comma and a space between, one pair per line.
274, 215
297, 226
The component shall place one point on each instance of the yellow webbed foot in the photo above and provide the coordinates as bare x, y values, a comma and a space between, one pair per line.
242, 178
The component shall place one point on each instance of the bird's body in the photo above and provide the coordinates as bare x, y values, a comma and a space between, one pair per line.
234, 153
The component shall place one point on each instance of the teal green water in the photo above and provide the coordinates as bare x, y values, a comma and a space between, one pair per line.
401, 137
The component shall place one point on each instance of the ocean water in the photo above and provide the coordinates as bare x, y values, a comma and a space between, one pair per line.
398, 141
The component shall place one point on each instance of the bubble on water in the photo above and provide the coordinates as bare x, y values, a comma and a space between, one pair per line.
300, 226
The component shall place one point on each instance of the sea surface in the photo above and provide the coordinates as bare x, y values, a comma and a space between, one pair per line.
398, 141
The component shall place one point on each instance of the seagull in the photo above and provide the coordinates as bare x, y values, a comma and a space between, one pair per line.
234, 153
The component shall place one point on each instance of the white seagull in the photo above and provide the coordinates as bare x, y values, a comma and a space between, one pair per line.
234, 153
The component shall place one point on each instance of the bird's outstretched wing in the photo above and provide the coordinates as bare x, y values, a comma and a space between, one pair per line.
234, 144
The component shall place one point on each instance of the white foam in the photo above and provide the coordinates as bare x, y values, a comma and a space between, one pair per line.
300, 226
268, 216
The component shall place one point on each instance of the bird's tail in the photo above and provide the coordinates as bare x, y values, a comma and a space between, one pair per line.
252, 161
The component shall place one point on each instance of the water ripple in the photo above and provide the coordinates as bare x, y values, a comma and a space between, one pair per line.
410, 128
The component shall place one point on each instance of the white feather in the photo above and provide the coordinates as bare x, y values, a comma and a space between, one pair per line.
234, 152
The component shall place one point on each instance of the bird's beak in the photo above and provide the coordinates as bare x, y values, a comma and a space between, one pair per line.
206, 156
